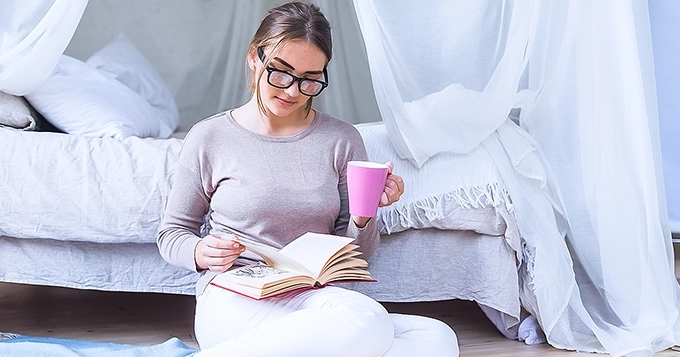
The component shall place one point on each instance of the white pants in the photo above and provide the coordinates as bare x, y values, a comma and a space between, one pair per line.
320, 322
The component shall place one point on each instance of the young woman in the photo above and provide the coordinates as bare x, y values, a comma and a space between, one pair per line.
270, 171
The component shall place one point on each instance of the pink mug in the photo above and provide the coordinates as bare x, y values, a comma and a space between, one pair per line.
365, 185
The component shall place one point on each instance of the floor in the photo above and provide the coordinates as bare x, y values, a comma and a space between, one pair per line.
146, 319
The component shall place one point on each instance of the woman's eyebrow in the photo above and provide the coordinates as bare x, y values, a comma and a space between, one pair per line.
293, 68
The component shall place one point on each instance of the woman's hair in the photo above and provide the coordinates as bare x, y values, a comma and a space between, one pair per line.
285, 23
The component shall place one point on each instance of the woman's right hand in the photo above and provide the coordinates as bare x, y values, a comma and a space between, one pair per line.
217, 252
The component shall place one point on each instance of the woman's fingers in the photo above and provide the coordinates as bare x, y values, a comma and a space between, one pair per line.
221, 245
394, 188
218, 252
222, 241
220, 263
396, 183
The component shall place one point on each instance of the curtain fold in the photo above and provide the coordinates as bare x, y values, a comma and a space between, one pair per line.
581, 161
34, 35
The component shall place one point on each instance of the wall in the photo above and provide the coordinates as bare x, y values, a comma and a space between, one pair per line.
199, 48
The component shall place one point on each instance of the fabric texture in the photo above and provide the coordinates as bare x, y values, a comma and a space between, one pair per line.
34, 35
129, 66
336, 321
456, 265
330, 321
130, 267
79, 177
561, 96
99, 190
15, 112
116, 93
450, 191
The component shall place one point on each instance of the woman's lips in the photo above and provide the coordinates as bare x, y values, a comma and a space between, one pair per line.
284, 102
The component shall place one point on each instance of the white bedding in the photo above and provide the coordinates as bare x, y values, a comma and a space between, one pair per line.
83, 212
76, 188
106, 190
450, 191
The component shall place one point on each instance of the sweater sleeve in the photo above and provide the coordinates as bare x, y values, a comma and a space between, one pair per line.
187, 206
367, 237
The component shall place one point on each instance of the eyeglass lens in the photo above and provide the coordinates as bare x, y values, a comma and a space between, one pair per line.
282, 79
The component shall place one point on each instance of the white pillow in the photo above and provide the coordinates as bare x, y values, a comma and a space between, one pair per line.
130, 67
82, 99
15, 112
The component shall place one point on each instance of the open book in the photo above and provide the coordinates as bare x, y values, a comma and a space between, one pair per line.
312, 260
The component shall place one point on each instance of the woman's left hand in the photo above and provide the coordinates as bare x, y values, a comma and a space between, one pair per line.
394, 187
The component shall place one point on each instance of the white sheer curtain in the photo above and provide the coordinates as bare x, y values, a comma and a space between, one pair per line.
584, 163
583, 167
33, 36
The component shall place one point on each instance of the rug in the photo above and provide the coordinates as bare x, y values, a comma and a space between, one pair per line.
24, 346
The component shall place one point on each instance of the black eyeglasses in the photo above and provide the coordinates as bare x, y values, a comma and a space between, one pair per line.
282, 80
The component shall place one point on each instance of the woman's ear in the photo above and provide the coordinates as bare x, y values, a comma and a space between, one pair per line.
252, 58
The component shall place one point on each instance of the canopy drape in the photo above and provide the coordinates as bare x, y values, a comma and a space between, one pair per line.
34, 35
562, 96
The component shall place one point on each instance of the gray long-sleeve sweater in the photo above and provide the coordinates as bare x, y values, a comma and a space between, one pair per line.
270, 189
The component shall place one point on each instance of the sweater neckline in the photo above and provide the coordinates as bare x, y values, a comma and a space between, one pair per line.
275, 138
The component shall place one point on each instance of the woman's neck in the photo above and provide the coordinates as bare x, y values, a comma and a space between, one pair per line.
250, 117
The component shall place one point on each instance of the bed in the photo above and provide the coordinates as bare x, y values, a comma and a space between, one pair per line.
82, 209
83, 212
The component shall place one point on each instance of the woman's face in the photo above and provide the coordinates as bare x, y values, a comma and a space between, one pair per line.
299, 58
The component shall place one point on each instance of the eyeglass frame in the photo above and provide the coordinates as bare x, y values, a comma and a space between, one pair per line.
260, 55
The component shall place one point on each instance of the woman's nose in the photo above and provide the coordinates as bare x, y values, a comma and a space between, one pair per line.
293, 90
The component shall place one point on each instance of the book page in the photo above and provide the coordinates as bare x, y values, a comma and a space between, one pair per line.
259, 281
274, 258
257, 276
350, 268
314, 250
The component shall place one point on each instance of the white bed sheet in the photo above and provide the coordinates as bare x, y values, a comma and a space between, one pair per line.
105, 190
77, 188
